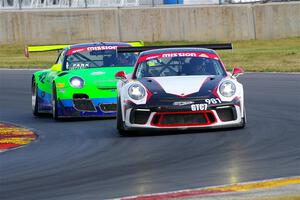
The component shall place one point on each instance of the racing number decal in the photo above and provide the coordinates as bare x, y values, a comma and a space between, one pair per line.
203, 106
213, 101
42, 77
196, 107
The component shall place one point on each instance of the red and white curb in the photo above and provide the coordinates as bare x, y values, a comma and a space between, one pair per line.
200, 192
12, 136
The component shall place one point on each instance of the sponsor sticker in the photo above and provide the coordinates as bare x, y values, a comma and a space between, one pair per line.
79, 66
60, 85
198, 107
203, 106
151, 57
42, 77
203, 55
183, 54
77, 50
102, 48
96, 48
182, 103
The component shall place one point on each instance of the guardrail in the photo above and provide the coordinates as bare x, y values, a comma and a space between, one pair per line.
34, 4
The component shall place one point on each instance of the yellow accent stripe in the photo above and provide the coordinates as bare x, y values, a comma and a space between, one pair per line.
260, 184
198, 192
16, 140
136, 43
19, 131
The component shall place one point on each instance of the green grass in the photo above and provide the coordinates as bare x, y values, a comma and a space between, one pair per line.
281, 55
288, 197
12, 56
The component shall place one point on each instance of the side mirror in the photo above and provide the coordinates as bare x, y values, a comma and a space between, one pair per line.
237, 71
56, 67
120, 76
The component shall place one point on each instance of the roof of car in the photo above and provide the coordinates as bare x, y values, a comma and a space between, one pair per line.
100, 44
168, 50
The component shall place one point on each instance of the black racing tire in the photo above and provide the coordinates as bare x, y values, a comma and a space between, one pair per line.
54, 103
120, 123
244, 119
34, 99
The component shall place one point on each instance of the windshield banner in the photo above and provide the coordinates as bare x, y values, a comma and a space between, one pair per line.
177, 54
95, 48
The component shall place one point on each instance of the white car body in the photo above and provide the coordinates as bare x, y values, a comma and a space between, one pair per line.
180, 102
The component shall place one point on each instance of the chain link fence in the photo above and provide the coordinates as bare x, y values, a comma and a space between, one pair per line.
31, 4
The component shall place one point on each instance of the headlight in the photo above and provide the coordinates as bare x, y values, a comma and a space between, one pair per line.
227, 89
76, 82
136, 92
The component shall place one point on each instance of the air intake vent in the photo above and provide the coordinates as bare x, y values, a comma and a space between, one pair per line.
227, 113
139, 116
108, 107
62, 74
84, 105
80, 96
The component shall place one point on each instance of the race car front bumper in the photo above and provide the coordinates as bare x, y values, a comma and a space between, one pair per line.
86, 107
220, 116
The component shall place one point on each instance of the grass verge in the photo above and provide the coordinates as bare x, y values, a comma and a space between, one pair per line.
278, 198
280, 55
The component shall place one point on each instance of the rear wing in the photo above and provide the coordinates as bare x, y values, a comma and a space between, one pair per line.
43, 48
136, 43
57, 47
223, 46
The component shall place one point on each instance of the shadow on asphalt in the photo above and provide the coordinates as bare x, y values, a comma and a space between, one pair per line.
142, 133
72, 119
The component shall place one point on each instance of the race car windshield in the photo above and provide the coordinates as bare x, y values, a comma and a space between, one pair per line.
179, 66
98, 59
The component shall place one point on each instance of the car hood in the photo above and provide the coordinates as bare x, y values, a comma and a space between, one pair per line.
184, 86
100, 77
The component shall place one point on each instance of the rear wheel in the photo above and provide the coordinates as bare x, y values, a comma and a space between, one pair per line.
34, 98
54, 103
120, 123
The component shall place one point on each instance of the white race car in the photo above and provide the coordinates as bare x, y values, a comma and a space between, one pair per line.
179, 88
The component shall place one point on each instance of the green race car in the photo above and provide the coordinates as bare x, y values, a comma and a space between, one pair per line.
81, 83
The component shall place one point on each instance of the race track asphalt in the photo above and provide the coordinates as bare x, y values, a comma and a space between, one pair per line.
87, 159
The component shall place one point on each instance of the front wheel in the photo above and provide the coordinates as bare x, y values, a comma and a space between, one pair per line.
244, 119
54, 103
120, 123
34, 99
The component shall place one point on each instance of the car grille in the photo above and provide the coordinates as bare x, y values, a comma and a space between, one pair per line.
108, 107
171, 108
171, 119
84, 105
139, 116
184, 119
